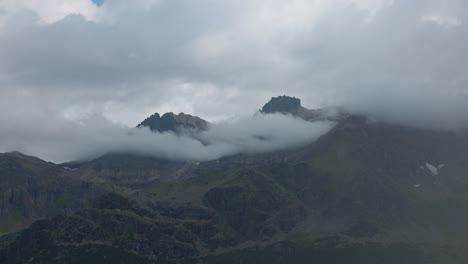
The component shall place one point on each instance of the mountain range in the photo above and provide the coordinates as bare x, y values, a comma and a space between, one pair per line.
365, 192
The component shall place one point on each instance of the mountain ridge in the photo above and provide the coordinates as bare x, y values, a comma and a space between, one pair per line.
175, 123
361, 191
292, 106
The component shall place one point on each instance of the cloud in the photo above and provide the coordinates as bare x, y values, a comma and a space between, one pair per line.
399, 61
94, 136
262, 133
50, 11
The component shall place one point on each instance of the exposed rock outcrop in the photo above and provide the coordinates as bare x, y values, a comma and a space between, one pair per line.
282, 104
291, 105
176, 123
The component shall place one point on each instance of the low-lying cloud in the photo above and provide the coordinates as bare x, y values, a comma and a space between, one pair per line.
95, 136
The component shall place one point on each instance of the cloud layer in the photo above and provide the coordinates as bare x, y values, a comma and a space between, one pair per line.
95, 136
395, 60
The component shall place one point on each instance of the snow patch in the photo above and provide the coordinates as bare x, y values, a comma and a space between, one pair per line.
432, 168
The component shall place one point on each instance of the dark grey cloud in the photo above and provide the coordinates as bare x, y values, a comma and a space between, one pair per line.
402, 61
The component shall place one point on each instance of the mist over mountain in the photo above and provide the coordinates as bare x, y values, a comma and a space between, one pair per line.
207, 132
174, 137
359, 191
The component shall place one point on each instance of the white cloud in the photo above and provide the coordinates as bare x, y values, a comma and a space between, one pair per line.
63, 140
51, 11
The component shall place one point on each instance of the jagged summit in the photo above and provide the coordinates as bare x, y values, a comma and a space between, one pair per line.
172, 122
291, 105
282, 104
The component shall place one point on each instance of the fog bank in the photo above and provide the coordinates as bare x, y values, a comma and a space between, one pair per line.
65, 140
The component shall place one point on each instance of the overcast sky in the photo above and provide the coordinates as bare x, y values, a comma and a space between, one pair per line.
400, 60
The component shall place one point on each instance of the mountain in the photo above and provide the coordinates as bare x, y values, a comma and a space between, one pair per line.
283, 104
31, 189
127, 172
292, 106
366, 192
176, 123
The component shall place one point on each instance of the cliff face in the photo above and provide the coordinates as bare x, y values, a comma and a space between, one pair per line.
282, 104
128, 172
31, 189
292, 106
176, 123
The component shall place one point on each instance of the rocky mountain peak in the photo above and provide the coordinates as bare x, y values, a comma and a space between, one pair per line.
172, 122
291, 105
282, 104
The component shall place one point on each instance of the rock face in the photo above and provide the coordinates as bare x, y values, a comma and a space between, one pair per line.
292, 105
126, 171
175, 123
31, 189
282, 104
